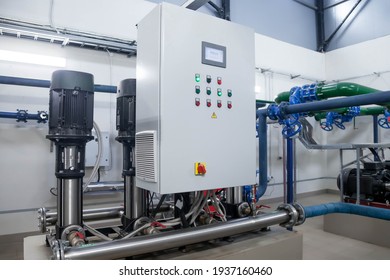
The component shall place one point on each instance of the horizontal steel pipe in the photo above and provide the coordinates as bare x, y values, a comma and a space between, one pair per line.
17, 81
146, 244
90, 214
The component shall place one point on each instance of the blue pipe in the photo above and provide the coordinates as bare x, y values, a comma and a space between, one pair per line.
8, 115
347, 208
376, 134
380, 97
23, 116
290, 170
263, 164
7, 80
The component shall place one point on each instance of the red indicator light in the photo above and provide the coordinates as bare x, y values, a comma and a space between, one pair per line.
219, 81
219, 104
197, 102
229, 105
208, 103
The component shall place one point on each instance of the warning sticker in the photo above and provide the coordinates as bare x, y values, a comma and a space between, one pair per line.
214, 115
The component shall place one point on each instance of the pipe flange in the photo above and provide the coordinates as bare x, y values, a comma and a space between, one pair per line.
57, 248
243, 210
42, 219
292, 212
301, 213
70, 229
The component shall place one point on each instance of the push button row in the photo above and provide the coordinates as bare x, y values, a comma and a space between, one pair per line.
209, 79
209, 91
209, 103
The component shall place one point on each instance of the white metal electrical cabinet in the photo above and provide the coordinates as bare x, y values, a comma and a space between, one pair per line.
195, 109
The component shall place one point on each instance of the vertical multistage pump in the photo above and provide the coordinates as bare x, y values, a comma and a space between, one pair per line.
135, 198
70, 128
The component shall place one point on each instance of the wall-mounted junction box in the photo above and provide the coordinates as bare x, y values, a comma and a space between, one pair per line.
195, 102
91, 151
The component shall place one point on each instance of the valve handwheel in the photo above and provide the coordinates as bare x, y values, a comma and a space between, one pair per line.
384, 123
326, 127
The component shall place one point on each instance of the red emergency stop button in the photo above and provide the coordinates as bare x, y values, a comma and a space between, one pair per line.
200, 168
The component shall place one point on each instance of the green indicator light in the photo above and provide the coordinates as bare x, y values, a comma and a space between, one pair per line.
197, 90
230, 93
219, 92
197, 78
208, 90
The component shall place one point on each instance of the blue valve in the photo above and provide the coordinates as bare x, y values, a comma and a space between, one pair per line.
333, 118
385, 122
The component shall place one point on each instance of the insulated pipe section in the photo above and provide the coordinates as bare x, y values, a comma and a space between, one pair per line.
70, 128
347, 208
331, 91
286, 215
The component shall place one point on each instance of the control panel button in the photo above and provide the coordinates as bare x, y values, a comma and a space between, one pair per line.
219, 103
219, 80
208, 102
208, 90
229, 104
229, 93
219, 92
197, 89
197, 78
200, 168
208, 79
197, 101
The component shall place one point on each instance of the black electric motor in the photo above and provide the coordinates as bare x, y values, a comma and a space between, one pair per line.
374, 182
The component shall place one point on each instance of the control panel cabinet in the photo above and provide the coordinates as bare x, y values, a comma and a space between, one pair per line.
195, 111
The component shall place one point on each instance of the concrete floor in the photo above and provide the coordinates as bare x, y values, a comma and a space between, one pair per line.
317, 244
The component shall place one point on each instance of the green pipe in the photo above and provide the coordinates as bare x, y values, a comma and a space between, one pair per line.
283, 96
342, 89
332, 90
364, 111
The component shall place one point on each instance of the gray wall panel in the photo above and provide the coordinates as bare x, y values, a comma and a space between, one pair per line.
370, 20
285, 20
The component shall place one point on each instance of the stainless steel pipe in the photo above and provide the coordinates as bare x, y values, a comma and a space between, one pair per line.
146, 244
135, 199
90, 214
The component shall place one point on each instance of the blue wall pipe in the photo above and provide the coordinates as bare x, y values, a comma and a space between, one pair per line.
23, 116
347, 208
290, 170
46, 84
